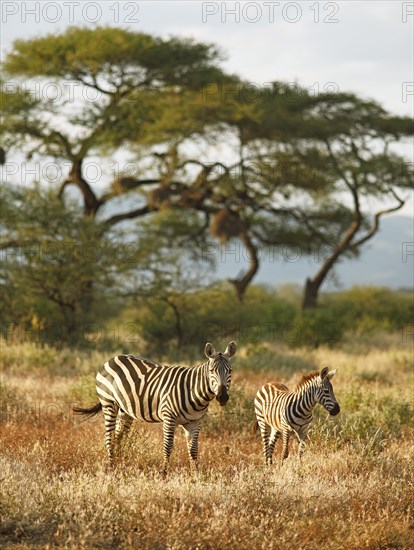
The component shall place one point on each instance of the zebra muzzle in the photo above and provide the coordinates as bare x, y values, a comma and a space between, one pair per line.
222, 396
335, 410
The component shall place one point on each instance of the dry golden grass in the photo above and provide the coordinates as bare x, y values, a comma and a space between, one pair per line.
353, 489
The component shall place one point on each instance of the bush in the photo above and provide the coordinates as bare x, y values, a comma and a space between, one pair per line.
214, 315
262, 358
183, 323
365, 310
313, 328
176, 326
83, 390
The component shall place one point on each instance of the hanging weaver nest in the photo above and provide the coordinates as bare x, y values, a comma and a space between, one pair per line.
226, 224
159, 197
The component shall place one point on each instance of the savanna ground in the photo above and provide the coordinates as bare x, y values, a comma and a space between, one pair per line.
354, 488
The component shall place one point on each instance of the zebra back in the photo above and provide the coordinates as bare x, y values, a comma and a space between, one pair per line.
147, 390
281, 407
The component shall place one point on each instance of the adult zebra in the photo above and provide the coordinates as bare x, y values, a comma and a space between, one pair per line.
280, 411
131, 388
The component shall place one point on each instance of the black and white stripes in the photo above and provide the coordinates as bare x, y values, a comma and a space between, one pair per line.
131, 388
280, 411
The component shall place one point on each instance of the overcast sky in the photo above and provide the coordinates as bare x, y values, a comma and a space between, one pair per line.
360, 46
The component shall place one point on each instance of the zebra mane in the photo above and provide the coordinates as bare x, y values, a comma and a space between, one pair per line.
306, 378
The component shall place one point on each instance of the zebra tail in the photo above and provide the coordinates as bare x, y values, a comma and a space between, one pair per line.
88, 412
255, 426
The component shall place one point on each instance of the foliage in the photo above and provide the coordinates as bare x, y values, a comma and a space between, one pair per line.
117, 56
56, 263
364, 310
266, 316
168, 106
212, 314
317, 327
62, 271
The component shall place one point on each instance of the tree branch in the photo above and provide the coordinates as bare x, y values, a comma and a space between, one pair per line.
127, 216
128, 184
376, 222
336, 164
243, 282
64, 141
91, 203
63, 186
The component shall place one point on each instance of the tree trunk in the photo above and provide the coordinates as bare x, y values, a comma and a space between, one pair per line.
178, 324
91, 203
310, 295
313, 284
241, 284
87, 298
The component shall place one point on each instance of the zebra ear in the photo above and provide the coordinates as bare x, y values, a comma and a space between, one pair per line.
209, 350
231, 349
324, 372
331, 374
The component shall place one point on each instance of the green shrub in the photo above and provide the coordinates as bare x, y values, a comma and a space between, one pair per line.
264, 359
313, 328
83, 390
213, 314
365, 310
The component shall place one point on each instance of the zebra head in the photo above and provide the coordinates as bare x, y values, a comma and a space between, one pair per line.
325, 395
219, 371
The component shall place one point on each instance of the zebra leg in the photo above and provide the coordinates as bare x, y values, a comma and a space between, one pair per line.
191, 432
110, 412
168, 430
274, 436
302, 443
285, 442
265, 433
123, 423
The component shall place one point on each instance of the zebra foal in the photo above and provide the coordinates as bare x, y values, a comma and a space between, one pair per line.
280, 411
130, 388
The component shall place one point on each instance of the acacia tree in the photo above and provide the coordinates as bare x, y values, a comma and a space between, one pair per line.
168, 103
303, 168
245, 196
155, 96
364, 166
269, 194
128, 73
303, 155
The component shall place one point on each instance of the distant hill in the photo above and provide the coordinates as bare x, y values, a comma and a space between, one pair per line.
384, 261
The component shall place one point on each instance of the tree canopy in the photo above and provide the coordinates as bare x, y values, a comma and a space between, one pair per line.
213, 157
